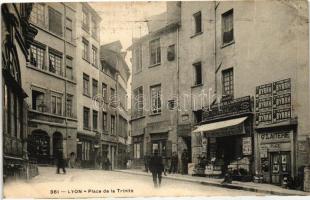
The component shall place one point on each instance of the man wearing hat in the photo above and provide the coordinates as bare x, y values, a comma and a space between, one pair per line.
156, 167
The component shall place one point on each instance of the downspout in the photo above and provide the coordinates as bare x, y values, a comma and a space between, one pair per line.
215, 53
65, 57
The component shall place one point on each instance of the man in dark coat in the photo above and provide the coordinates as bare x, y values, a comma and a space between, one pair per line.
156, 167
60, 161
174, 163
185, 160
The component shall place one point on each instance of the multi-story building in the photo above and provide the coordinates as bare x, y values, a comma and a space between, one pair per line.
50, 82
16, 36
114, 78
242, 79
88, 86
154, 88
251, 60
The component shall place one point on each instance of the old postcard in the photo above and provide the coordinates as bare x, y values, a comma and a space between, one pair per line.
146, 99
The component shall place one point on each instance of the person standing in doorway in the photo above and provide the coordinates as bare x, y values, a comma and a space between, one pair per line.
185, 160
60, 161
174, 163
156, 167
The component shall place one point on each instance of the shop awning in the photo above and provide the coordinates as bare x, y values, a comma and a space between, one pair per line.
220, 125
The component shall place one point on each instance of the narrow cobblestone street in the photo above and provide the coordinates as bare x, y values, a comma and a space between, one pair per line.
96, 183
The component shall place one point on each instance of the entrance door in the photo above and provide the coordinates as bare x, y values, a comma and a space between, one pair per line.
280, 166
39, 147
57, 143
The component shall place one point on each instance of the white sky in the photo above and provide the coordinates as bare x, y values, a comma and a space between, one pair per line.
125, 20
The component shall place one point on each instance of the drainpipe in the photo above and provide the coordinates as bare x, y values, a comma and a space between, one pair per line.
215, 53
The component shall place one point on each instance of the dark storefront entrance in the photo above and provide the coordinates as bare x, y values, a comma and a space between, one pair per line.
280, 166
39, 147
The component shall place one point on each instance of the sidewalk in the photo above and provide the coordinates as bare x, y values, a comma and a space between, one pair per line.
247, 186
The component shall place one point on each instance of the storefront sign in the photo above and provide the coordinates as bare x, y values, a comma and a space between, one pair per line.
227, 108
247, 146
275, 136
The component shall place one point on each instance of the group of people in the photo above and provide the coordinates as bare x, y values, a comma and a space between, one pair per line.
157, 165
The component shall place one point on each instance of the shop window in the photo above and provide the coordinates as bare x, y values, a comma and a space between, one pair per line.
227, 27
55, 21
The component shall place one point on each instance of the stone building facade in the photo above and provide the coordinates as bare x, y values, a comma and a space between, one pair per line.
16, 37
50, 82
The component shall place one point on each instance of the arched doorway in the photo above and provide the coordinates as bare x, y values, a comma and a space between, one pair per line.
57, 142
39, 147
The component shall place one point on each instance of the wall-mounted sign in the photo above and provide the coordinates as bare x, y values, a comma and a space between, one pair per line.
227, 108
275, 136
273, 102
247, 146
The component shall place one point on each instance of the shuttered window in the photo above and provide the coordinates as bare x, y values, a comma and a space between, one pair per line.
55, 21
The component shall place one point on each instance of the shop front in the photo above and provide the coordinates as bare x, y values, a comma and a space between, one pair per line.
276, 153
224, 141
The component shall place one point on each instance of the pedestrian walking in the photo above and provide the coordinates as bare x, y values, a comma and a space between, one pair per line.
185, 160
60, 161
156, 167
174, 163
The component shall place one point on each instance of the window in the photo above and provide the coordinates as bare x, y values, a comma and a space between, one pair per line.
95, 87
85, 19
85, 50
113, 97
171, 52
86, 85
68, 29
172, 104
104, 121
156, 99
69, 105
37, 57
69, 70
55, 21
137, 150
86, 118
197, 116
197, 19
38, 101
228, 82
155, 52
95, 120
94, 56
197, 74
104, 92
56, 105
138, 58
138, 101
112, 124
86, 146
228, 27
37, 14
55, 65
94, 31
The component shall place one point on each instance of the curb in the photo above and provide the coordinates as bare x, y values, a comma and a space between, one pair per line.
229, 186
